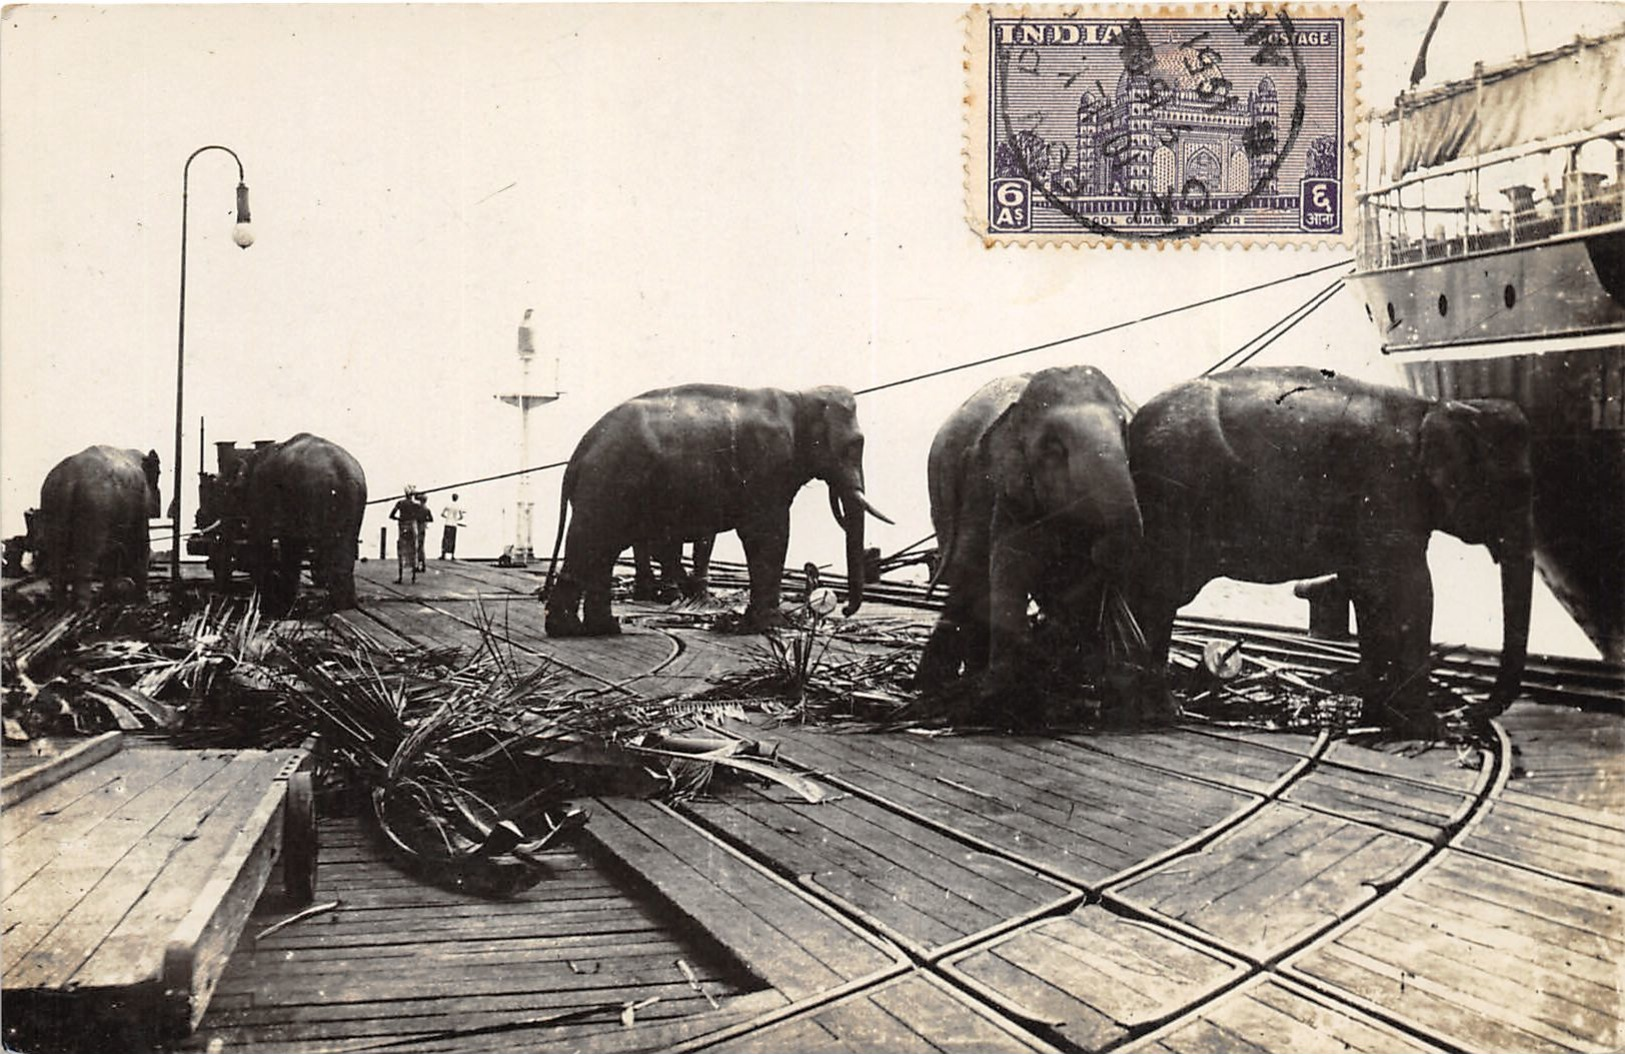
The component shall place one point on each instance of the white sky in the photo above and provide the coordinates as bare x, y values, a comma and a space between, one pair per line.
744, 194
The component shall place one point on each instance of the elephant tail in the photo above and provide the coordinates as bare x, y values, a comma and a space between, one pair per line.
558, 539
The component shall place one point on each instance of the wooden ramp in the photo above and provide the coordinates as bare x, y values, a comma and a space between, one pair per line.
127, 880
1189, 889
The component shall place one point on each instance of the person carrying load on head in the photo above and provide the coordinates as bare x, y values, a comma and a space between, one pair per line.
409, 536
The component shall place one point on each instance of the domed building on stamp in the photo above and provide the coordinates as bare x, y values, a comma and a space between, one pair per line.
1161, 133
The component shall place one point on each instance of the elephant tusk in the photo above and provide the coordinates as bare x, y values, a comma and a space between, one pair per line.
876, 513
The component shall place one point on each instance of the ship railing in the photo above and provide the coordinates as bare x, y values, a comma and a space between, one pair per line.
1537, 193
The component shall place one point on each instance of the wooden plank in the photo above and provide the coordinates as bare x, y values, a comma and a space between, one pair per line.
1279, 877
28, 779
1489, 955
793, 855
915, 1012
390, 1017
196, 843
115, 903
898, 873
199, 947
1092, 975
1067, 842
1561, 845
1548, 992
1414, 809
62, 872
1465, 1027
1570, 755
1272, 1016
77, 804
1080, 815
1520, 894
792, 944
1248, 766
1437, 764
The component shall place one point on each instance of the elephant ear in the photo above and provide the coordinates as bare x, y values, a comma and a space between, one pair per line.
1449, 453
1003, 451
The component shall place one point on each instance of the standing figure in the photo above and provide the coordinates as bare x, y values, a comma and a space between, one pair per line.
407, 534
693, 461
424, 518
451, 518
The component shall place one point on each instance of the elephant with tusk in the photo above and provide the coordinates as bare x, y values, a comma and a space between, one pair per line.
696, 460
1271, 475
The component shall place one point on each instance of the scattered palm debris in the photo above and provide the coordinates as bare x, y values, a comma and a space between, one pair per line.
466, 764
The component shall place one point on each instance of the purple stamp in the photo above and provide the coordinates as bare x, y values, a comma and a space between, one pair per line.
1095, 125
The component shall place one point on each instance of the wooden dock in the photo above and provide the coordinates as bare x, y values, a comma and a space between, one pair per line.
1189, 889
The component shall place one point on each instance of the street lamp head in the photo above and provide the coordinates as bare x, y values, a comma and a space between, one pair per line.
242, 234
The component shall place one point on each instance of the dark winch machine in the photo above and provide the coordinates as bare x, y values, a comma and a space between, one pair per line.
219, 512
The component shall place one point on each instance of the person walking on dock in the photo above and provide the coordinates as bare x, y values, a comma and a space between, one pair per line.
451, 518
409, 535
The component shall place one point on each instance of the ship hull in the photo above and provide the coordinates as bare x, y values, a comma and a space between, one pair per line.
1578, 458
1543, 326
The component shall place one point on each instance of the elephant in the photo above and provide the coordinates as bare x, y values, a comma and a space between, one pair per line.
673, 582
303, 493
696, 460
1277, 474
1032, 501
94, 507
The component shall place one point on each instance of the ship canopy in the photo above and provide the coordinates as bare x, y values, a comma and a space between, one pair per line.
1569, 89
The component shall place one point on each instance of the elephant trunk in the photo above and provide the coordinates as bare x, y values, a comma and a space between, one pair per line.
1517, 582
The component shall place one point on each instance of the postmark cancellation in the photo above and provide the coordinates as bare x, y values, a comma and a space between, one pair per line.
1114, 124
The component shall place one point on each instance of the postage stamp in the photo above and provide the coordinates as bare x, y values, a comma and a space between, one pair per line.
1112, 124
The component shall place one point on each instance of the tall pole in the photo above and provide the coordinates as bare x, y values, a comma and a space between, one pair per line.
525, 401
243, 235
522, 537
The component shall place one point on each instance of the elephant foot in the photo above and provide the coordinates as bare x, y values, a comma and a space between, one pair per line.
643, 590
1409, 722
760, 620
694, 591
561, 623
605, 626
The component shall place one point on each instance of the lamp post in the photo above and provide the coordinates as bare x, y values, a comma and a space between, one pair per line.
243, 235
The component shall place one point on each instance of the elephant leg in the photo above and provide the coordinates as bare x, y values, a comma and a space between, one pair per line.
696, 586
140, 556
597, 620
643, 574
765, 543
563, 603
669, 556
1395, 614
290, 555
1012, 572
87, 560
341, 576
944, 651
